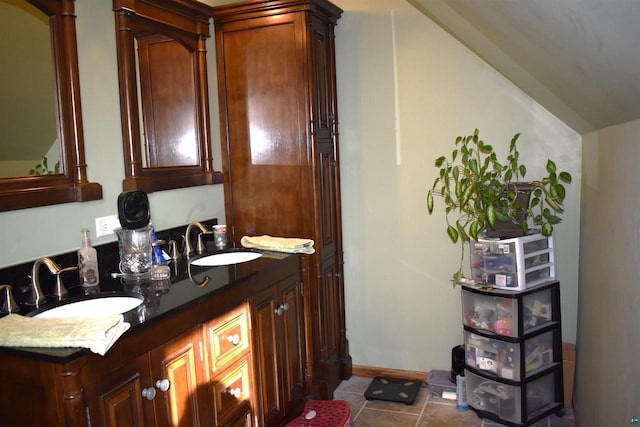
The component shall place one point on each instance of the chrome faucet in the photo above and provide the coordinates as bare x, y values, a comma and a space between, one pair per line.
8, 303
36, 297
200, 248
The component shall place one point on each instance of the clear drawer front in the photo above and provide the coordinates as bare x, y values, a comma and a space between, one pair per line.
505, 400
502, 359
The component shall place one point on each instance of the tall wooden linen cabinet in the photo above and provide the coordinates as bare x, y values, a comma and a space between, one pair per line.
277, 92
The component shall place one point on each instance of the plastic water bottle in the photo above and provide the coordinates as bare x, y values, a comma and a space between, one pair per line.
461, 391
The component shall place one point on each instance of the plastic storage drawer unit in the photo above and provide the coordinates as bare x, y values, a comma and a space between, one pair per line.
513, 403
497, 312
502, 358
515, 264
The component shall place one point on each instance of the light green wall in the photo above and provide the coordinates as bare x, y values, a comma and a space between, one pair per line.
401, 309
400, 306
30, 233
607, 391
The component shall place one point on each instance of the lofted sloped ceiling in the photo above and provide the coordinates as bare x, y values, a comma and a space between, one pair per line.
580, 59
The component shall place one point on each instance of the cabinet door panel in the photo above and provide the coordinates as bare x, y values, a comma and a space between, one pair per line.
123, 405
293, 343
121, 402
267, 147
323, 111
179, 362
327, 198
243, 421
330, 297
268, 358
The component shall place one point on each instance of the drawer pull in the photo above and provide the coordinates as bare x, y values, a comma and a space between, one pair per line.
235, 392
149, 393
163, 384
281, 308
234, 339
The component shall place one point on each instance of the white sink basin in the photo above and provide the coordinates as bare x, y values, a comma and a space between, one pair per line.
226, 258
94, 307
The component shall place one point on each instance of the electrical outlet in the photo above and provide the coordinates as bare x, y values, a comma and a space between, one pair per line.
106, 224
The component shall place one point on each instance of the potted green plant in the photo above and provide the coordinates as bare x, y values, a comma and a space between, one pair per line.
482, 194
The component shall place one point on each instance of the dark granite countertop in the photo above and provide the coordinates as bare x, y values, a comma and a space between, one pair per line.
161, 298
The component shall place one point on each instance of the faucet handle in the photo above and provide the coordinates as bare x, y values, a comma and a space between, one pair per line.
60, 292
174, 253
202, 248
8, 303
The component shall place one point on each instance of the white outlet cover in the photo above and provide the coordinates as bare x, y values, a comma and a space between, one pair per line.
106, 224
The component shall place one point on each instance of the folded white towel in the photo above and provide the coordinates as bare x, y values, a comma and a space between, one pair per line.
279, 244
96, 334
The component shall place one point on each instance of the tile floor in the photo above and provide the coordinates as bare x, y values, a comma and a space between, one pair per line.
427, 410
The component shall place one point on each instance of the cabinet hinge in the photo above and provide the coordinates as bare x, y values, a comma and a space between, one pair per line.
87, 414
302, 288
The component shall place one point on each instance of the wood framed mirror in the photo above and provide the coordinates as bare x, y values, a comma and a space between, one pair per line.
164, 99
70, 183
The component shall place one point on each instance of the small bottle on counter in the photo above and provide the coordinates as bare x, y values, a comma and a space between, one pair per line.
88, 261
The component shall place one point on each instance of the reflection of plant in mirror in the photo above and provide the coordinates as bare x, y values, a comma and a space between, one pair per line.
42, 168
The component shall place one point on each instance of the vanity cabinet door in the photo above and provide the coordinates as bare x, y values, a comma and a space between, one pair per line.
159, 388
177, 374
121, 401
278, 327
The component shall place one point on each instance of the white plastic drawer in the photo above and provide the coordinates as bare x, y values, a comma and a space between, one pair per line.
505, 400
514, 264
502, 359
537, 244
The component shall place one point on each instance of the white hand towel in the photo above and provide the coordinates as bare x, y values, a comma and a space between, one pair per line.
96, 334
279, 244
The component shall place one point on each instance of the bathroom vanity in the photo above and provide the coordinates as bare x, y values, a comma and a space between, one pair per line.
224, 346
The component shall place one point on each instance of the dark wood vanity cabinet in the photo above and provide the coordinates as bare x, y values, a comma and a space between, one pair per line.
234, 357
277, 93
278, 325
159, 388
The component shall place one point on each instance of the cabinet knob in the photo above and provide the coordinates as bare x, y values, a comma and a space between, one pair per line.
149, 393
234, 339
163, 384
281, 308
235, 392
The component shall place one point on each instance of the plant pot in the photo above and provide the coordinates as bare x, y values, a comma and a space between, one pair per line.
511, 229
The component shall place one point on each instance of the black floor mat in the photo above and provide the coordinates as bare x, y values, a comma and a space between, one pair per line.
393, 390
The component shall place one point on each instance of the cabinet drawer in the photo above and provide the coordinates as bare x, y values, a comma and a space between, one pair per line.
231, 392
508, 402
499, 312
502, 359
490, 313
228, 338
515, 264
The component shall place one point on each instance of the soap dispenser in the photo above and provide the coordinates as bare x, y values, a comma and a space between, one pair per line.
88, 261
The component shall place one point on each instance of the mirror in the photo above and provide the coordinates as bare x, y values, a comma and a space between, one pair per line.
70, 183
24, 142
164, 101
